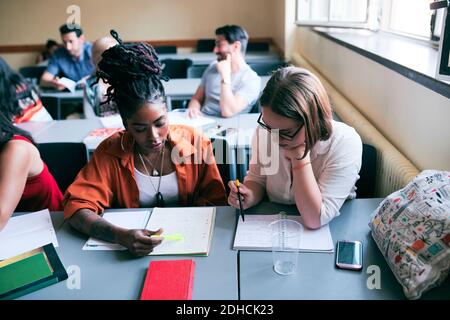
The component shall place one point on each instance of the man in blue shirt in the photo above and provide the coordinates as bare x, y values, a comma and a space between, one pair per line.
72, 61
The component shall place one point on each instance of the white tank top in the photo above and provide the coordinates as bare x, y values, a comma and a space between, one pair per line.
147, 193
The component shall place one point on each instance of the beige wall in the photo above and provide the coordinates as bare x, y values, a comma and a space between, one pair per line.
412, 117
33, 22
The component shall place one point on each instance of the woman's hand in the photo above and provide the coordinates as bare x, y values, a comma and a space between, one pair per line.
247, 197
139, 241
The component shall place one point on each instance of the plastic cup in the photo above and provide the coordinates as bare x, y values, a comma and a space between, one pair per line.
286, 237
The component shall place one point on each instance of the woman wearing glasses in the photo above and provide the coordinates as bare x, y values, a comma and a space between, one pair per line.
318, 159
150, 163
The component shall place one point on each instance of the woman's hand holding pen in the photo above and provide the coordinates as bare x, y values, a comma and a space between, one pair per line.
247, 197
139, 241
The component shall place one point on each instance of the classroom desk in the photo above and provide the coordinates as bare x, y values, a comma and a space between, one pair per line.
118, 275
184, 89
205, 58
317, 277
74, 130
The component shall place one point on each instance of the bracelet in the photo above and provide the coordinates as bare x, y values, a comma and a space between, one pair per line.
298, 167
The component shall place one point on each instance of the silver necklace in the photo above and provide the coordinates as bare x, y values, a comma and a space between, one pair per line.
154, 171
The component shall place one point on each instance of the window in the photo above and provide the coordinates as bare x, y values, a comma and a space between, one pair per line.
333, 12
407, 17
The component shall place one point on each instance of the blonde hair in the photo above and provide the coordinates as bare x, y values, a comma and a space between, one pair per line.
298, 94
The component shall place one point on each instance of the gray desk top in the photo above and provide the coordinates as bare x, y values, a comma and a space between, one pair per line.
202, 58
185, 88
118, 275
63, 130
317, 277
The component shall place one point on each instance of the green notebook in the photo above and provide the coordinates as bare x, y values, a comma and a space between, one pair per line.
30, 271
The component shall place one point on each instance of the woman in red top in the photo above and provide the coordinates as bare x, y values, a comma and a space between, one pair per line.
25, 182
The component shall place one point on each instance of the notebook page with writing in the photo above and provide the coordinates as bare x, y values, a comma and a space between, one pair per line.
124, 219
26, 232
194, 224
255, 234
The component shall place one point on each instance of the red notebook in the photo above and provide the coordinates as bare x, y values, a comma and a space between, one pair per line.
169, 280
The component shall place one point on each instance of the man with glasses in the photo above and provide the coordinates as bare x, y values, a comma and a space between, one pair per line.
229, 86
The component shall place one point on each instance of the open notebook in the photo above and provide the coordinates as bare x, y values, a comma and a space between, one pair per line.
255, 234
193, 227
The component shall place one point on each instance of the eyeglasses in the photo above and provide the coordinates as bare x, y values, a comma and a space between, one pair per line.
286, 136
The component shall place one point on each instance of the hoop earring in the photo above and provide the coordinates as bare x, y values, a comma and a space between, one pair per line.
121, 143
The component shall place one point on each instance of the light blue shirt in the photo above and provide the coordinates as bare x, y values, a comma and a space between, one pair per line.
63, 64
245, 82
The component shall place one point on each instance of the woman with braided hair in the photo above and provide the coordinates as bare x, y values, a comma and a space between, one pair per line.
150, 163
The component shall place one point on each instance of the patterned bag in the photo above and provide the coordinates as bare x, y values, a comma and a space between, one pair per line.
412, 229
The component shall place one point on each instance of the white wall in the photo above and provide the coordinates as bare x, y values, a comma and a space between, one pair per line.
33, 22
413, 118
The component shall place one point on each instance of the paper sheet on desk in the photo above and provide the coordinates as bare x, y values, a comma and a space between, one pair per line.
124, 219
114, 121
182, 118
27, 232
255, 234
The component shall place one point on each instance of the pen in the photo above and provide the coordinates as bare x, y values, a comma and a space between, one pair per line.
239, 198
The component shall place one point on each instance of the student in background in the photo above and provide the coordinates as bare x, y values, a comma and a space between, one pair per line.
150, 163
25, 182
94, 100
50, 47
72, 61
229, 86
19, 99
319, 158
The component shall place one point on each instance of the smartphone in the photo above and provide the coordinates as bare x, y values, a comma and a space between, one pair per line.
349, 255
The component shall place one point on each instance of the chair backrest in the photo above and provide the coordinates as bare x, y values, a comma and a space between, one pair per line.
366, 183
64, 160
165, 49
257, 47
33, 72
53, 106
176, 68
222, 154
205, 45
196, 71
266, 68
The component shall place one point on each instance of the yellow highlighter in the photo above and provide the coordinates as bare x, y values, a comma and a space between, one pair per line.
172, 237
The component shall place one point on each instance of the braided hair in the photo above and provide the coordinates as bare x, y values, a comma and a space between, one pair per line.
134, 74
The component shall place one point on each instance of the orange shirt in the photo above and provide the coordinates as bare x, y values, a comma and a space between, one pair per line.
108, 181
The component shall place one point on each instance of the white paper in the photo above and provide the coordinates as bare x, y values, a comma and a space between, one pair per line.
114, 121
68, 83
27, 232
124, 219
182, 118
194, 224
255, 234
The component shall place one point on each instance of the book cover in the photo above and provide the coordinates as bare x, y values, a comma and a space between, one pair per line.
30, 271
169, 280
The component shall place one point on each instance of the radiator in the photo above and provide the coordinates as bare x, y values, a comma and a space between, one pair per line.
394, 170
